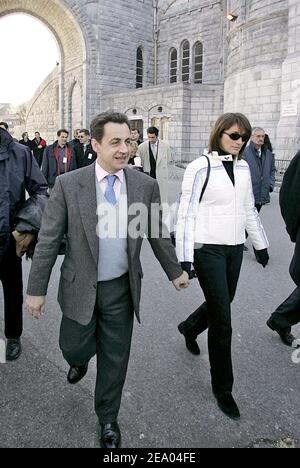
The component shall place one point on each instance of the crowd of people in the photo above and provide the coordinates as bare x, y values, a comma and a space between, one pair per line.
223, 191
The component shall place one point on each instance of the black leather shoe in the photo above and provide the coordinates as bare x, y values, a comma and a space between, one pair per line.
76, 373
110, 436
227, 404
286, 336
190, 342
13, 349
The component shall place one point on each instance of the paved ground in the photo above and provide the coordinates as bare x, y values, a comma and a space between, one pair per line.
167, 400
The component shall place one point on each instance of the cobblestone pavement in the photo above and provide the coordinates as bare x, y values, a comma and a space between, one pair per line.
167, 399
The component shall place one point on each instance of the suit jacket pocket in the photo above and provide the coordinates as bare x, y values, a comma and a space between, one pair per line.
68, 275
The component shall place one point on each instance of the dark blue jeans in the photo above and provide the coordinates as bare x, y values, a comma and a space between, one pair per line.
218, 268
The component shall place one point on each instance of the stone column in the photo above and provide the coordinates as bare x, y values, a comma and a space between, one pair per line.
288, 130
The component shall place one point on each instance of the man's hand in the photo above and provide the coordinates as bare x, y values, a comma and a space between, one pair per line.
35, 305
182, 282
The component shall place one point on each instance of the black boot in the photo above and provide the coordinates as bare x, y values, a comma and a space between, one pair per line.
190, 341
13, 349
227, 404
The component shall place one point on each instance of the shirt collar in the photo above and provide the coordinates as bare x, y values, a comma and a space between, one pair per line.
102, 173
217, 156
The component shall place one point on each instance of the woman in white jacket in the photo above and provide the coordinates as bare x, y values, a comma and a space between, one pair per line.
211, 235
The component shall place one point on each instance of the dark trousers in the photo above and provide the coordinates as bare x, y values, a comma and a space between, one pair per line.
218, 268
288, 313
109, 336
11, 278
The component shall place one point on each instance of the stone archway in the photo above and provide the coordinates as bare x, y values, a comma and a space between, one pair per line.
75, 107
73, 32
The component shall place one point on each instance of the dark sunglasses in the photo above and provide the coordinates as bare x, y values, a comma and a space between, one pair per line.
237, 136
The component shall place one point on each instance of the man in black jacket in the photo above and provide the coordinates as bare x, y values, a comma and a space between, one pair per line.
84, 153
19, 219
288, 313
38, 145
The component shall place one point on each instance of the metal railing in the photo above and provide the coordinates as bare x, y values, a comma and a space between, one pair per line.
281, 166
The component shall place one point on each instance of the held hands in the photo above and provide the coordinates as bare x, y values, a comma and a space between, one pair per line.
182, 282
35, 305
187, 266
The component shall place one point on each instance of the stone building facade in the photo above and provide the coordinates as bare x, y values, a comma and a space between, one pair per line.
177, 64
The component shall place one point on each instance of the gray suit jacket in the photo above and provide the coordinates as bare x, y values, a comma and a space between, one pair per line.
71, 211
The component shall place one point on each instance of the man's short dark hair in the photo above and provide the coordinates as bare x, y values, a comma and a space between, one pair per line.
152, 130
98, 123
85, 131
135, 130
62, 130
4, 124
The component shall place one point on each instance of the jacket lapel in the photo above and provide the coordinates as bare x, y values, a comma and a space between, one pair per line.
133, 196
87, 202
159, 154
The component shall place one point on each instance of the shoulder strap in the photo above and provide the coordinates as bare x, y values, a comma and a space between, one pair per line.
206, 179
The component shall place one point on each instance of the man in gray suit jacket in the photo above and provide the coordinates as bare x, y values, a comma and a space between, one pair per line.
100, 285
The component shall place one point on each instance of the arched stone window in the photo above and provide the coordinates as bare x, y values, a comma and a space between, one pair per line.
173, 65
198, 62
139, 68
185, 62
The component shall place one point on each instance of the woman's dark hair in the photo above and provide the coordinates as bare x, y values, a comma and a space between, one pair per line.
223, 123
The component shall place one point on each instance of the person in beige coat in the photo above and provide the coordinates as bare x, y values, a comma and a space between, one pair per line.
155, 155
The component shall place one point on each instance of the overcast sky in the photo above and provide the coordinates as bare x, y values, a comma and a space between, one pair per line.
28, 54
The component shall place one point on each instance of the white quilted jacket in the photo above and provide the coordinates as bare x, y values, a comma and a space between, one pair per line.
225, 211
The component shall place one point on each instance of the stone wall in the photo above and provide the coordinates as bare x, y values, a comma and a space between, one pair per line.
122, 28
194, 21
288, 130
43, 109
191, 111
258, 43
253, 62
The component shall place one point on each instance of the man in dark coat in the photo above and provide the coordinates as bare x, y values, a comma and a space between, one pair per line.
58, 158
25, 140
84, 153
262, 167
38, 145
288, 313
18, 172
75, 141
